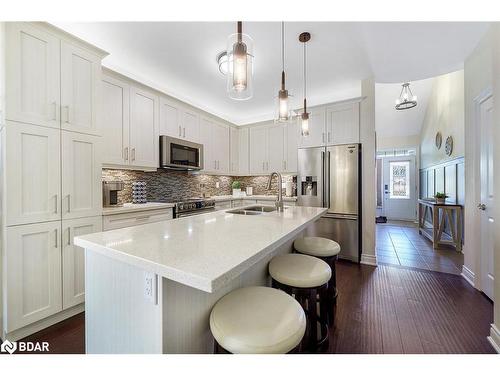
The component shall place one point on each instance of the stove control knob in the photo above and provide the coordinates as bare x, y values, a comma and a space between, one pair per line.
180, 206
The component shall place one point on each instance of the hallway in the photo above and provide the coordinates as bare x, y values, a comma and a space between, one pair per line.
398, 243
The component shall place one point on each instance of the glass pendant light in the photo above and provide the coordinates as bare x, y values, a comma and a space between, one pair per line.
240, 65
304, 38
283, 102
406, 98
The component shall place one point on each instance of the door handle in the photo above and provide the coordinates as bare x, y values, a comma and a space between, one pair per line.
328, 177
69, 202
133, 154
56, 232
481, 206
184, 132
180, 131
323, 178
126, 153
55, 199
69, 235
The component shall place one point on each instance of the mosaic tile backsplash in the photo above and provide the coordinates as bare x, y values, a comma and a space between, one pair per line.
169, 185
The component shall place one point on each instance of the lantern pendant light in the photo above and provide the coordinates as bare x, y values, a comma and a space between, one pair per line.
406, 98
283, 102
240, 65
304, 38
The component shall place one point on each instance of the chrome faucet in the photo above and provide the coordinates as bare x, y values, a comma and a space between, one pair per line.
279, 200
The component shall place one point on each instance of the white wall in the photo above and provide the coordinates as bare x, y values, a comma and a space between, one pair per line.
401, 142
367, 138
445, 113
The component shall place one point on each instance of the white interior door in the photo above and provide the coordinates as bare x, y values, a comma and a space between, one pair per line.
400, 188
487, 199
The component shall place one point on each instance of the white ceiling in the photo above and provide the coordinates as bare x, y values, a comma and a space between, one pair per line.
392, 123
179, 58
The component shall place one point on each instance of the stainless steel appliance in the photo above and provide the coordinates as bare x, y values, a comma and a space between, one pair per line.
193, 206
110, 191
331, 177
180, 154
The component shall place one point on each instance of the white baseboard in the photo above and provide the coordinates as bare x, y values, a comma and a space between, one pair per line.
369, 259
494, 338
23, 332
468, 275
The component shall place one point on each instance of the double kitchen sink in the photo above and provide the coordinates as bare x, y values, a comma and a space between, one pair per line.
253, 210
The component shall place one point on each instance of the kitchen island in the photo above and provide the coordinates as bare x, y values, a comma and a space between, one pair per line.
150, 288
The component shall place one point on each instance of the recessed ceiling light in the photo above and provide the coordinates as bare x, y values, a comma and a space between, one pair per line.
222, 62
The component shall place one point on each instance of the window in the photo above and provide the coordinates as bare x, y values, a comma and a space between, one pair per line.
400, 179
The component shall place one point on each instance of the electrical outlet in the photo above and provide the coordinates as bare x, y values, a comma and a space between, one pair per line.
150, 286
217, 185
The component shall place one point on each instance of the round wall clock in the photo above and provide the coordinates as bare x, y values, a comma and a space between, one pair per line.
439, 140
448, 147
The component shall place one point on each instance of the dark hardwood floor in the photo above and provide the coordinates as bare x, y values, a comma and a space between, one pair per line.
387, 309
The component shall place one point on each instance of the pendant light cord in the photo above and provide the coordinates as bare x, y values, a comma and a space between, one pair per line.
282, 45
305, 73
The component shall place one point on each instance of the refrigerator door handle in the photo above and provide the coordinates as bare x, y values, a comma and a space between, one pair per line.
322, 179
328, 179
341, 216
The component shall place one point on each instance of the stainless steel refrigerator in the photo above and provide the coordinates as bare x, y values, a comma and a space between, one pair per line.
331, 177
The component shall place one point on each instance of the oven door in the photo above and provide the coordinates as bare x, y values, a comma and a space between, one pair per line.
180, 154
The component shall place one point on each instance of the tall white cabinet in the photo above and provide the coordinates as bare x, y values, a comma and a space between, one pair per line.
51, 173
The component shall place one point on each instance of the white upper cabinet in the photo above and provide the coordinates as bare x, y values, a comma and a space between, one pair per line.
292, 135
220, 144
115, 120
33, 173
243, 152
317, 131
73, 258
234, 146
206, 131
342, 123
276, 151
80, 96
81, 175
190, 126
170, 123
259, 150
32, 72
33, 261
215, 140
144, 134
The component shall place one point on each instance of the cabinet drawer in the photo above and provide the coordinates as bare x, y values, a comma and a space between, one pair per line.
223, 205
237, 203
118, 221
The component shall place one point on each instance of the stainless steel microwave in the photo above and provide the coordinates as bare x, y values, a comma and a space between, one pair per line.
179, 154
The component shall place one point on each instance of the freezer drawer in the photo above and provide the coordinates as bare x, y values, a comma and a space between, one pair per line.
342, 229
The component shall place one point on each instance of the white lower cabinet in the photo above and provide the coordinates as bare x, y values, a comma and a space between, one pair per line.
223, 205
33, 273
73, 259
130, 219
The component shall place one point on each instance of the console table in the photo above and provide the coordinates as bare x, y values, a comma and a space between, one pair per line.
440, 213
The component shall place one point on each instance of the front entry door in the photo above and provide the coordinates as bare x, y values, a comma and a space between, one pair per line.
399, 188
487, 199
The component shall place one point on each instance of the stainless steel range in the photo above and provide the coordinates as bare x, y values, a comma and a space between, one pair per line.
193, 206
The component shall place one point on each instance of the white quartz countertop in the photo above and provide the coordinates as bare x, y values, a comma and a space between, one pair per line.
221, 198
203, 251
131, 207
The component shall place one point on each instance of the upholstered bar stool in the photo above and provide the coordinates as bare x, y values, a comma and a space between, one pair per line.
305, 277
257, 320
327, 250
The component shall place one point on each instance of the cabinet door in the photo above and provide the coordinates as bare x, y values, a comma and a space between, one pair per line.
292, 134
343, 124
33, 173
33, 273
32, 73
73, 258
317, 131
170, 123
190, 126
276, 148
115, 121
143, 128
81, 175
258, 150
206, 134
234, 150
80, 76
220, 143
243, 154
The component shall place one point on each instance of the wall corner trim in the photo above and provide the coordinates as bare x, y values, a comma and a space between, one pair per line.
494, 338
369, 259
469, 276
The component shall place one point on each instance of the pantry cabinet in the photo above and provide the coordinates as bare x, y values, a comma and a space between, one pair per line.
32, 173
73, 258
81, 175
33, 281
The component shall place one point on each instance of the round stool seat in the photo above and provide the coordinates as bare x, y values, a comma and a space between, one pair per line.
257, 320
299, 271
317, 246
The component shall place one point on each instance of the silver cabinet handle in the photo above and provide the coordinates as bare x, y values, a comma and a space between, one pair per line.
142, 218
323, 137
263, 165
184, 132
56, 232
267, 165
329, 137
125, 151
55, 200
54, 111
69, 202
67, 114
285, 165
215, 164
133, 154
69, 235
180, 131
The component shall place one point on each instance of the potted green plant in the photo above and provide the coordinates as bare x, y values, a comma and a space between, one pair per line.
440, 197
236, 188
